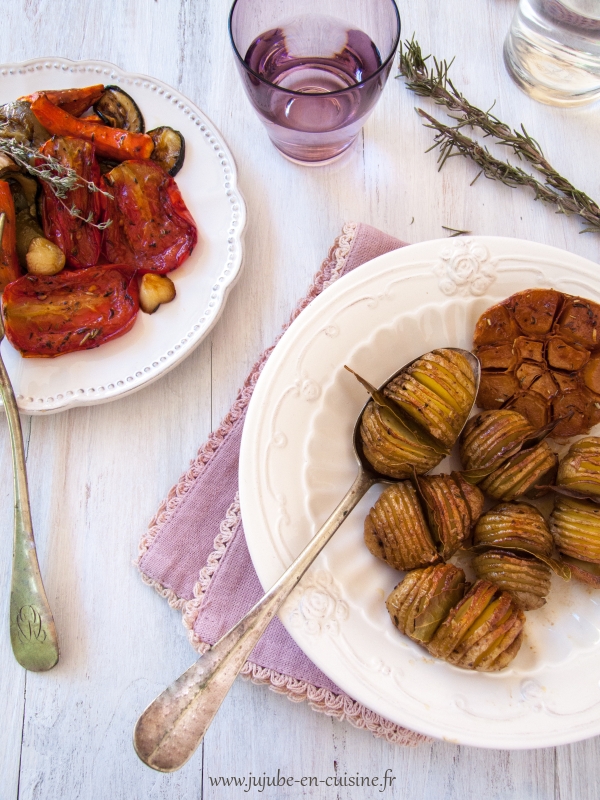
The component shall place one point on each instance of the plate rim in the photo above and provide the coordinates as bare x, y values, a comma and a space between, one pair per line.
248, 481
238, 222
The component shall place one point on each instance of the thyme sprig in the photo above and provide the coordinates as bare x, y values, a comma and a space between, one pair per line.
60, 178
432, 80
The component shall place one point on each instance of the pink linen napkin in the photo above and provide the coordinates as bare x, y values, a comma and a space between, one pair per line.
195, 554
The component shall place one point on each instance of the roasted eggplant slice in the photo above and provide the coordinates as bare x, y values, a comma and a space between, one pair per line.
169, 149
119, 110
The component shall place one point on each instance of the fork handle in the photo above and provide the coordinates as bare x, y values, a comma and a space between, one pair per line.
172, 727
32, 630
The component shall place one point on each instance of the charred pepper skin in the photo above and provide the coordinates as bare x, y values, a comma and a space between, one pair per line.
152, 229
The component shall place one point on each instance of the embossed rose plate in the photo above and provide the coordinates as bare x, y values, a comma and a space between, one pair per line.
297, 463
208, 183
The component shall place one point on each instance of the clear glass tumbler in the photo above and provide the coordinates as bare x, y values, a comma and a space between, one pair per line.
314, 69
553, 50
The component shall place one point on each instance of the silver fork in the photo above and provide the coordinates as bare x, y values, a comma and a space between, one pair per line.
32, 630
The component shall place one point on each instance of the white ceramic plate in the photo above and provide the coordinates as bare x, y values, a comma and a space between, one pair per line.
208, 183
297, 463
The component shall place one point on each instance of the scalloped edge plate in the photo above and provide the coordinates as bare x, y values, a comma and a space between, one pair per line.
157, 342
296, 463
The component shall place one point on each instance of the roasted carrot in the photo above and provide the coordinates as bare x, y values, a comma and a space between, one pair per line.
9, 263
110, 142
73, 101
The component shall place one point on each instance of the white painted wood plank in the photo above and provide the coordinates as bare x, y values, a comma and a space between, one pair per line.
98, 475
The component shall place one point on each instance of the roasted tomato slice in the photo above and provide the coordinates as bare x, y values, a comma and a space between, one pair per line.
9, 263
51, 315
151, 229
80, 242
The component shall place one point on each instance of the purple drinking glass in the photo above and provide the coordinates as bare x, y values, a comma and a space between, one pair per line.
314, 69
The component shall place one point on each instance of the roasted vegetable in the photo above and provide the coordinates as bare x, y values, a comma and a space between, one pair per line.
169, 149
154, 291
490, 438
482, 632
575, 525
152, 229
396, 531
73, 311
452, 507
37, 254
499, 452
109, 142
43, 257
119, 110
18, 122
391, 448
540, 355
514, 525
80, 242
579, 469
73, 101
521, 473
526, 579
9, 263
421, 602
438, 391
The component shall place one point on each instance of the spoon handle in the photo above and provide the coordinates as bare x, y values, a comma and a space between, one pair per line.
32, 630
172, 726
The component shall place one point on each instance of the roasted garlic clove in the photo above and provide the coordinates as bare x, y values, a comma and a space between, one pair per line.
420, 603
391, 448
514, 525
490, 435
483, 632
452, 507
580, 467
438, 391
521, 473
575, 525
155, 290
396, 531
526, 579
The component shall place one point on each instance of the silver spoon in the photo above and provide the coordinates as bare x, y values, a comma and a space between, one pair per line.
174, 724
32, 630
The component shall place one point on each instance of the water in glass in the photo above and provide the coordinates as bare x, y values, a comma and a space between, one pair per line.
553, 50
315, 93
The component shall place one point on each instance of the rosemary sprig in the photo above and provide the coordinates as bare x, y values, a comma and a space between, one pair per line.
433, 81
60, 178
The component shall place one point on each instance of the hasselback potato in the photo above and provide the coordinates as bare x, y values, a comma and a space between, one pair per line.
438, 391
391, 448
579, 469
482, 632
514, 525
420, 602
575, 525
396, 531
452, 506
525, 578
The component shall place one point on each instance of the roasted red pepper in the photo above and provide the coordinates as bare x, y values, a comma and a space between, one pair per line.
110, 142
152, 229
9, 263
69, 312
80, 242
73, 101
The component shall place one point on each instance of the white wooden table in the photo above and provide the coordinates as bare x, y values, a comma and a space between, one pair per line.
97, 475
